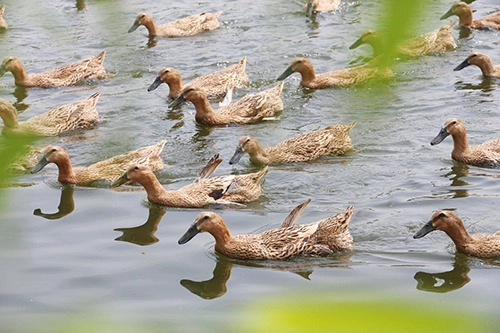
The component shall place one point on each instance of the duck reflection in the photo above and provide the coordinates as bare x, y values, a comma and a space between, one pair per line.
20, 93
487, 85
66, 205
143, 234
80, 5
216, 286
445, 281
458, 171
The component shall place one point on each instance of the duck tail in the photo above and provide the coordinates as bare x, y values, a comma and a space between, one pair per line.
209, 168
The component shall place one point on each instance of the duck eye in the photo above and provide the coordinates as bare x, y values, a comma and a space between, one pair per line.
206, 217
53, 150
136, 168
441, 215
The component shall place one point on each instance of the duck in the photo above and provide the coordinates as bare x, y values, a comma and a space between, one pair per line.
314, 6
337, 78
330, 140
3, 24
107, 170
216, 84
486, 154
482, 61
438, 40
464, 13
478, 245
67, 75
225, 190
320, 238
249, 109
68, 117
184, 27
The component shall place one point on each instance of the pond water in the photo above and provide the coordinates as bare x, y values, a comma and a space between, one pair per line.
68, 259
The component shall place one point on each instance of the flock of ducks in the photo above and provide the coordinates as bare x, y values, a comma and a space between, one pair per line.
323, 237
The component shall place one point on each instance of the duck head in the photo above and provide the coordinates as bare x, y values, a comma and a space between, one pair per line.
246, 144
141, 19
476, 58
450, 127
189, 94
52, 154
440, 220
458, 8
204, 222
165, 75
135, 173
297, 65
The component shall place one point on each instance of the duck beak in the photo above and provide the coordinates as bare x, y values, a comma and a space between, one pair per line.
447, 14
443, 133
428, 227
178, 101
189, 234
462, 65
3, 70
134, 26
285, 74
42, 162
356, 43
120, 181
236, 156
309, 9
156, 83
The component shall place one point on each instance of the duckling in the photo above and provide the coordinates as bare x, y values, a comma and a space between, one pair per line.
249, 109
464, 13
336, 78
438, 40
233, 189
3, 24
314, 6
484, 63
331, 140
215, 84
478, 245
106, 170
184, 27
486, 154
319, 238
67, 75
68, 117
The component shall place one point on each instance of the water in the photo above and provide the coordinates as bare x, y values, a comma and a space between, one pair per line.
77, 264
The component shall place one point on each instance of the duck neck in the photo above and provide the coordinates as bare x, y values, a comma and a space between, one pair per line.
460, 144
66, 173
203, 108
259, 155
487, 67
153, 188
307, 73
20, 76
175, 87
151, 26
9, 117
222, 237
465, 18
459, 236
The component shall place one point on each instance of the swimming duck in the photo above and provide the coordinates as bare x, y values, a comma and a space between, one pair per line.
438, 40
68, 117
67, 75
3, 24
106, 170
184, 27
233, 189
331, 140
478, 245
336, 78
249, 109
482, 61
323, 237
486, 154
215, 84
314, 6
464, 13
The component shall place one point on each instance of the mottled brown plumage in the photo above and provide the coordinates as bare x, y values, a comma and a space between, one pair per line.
3, 24
68, 117
184, 27
67, 75
331, 140
248, 109
438, 40
337, 78
313, 6
464, 13
484, 63
233, 189
486, 154
479, 245
106, 170
215, 85
323, 237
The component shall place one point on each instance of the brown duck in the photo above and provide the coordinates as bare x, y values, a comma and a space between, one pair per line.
484, 63
464, 13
